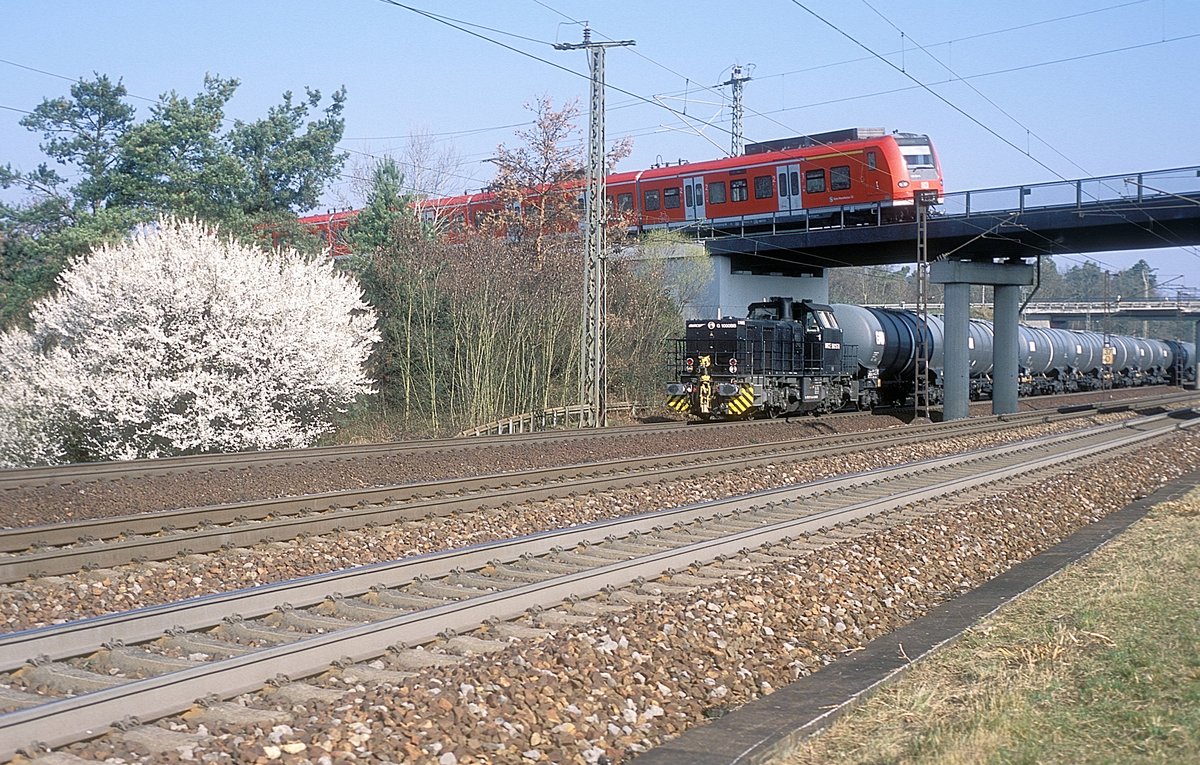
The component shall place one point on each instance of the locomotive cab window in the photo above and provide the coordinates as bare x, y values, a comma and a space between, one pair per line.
738, 191
839, 178
651, 200
763, 189
716, 192
872, 161
814, 181
671, 198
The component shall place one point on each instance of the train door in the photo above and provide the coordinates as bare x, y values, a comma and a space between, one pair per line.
789, 188
693, 198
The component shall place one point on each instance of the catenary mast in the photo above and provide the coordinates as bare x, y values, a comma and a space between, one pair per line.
594, 372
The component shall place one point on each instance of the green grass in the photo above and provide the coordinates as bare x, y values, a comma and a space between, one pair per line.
1099, 665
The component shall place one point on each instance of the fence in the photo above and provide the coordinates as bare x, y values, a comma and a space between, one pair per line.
546, 419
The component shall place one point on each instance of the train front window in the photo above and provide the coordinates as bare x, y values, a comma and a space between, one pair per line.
917, 156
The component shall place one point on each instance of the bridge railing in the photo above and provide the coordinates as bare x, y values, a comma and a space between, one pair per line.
1129, 187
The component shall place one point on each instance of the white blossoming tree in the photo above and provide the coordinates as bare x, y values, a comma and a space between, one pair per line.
180, 341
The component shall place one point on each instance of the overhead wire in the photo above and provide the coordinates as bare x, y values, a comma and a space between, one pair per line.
948, 102
638, 99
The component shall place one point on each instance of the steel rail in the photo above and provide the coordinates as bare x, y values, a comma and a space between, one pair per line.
86, 472
60, 721
154, 537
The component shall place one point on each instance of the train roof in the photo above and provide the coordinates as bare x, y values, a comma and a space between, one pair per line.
831, 148
816, 139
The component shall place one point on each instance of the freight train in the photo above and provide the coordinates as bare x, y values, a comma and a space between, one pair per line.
790, 357
857, 176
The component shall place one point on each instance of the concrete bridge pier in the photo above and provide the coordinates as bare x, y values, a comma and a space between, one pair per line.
1007, 279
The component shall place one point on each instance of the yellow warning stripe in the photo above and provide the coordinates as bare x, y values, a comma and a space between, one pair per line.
742, 402
680, 404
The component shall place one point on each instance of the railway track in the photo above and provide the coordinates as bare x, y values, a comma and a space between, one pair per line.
68, 548
87, 472
18, 479
76, 680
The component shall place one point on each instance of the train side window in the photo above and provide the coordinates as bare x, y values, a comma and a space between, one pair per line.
716, 193
795, 183
763, 188
687, 196
738, 191
814, 181
651, 200
671, 198
783, 185
624, 202
839, 178
872, 162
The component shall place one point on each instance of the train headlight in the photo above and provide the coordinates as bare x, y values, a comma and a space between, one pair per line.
903, 184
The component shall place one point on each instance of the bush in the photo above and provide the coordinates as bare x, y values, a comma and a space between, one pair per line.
179, 341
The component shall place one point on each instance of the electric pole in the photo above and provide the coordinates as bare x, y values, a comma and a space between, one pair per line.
594, 371
737, 142
922, 200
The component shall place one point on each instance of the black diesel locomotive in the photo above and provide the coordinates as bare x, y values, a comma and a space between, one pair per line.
791, 357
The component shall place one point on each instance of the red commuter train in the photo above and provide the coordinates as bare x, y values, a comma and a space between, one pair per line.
847, 177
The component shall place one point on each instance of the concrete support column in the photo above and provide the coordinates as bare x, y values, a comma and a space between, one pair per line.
1007, 279
956, 373
1004, 350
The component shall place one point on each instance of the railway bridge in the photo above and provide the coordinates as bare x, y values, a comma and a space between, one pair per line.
985, 236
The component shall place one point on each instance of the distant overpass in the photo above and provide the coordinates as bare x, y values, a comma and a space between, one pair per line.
1117, 212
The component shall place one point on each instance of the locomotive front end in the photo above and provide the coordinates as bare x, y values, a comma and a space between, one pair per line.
712, 379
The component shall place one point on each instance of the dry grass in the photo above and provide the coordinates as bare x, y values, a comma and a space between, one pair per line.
1099, 665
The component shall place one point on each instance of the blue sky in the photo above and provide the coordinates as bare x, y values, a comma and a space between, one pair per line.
1011, 91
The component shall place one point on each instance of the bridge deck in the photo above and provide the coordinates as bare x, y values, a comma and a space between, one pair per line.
1136, 211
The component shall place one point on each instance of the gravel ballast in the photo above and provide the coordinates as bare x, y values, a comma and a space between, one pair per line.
606, 690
